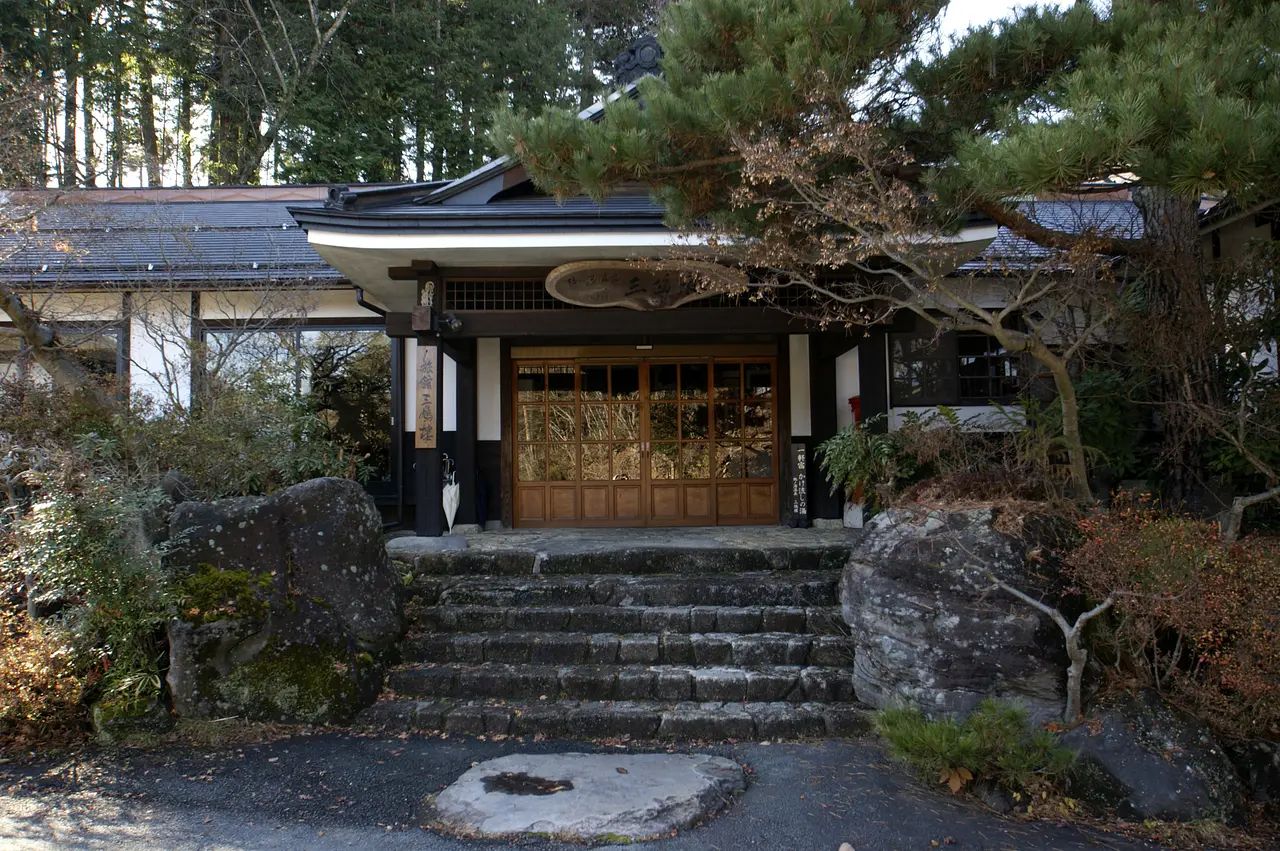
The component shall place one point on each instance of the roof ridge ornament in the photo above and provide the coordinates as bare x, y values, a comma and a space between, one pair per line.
643, 57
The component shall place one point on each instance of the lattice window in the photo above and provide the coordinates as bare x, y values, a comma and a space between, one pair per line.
509, 294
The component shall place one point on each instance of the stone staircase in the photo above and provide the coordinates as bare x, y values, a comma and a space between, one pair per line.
686, 644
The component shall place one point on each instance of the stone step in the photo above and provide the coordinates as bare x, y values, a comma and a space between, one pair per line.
799, 588
639, 648
812, 620
636, 561
792, 684
622, 719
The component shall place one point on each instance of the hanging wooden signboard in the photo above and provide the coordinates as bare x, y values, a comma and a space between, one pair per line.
428, 396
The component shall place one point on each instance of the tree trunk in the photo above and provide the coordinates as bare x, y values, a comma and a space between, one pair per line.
1070, 405
1075, 678
184, 131
87, 107
146, 94
70, 113
1176, 299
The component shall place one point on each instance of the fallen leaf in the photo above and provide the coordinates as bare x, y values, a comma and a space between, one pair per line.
846, 847
622, 770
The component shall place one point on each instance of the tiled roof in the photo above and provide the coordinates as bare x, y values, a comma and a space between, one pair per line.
210, 242
1108, 217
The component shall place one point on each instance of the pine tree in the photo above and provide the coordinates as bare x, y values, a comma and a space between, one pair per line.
1177, 99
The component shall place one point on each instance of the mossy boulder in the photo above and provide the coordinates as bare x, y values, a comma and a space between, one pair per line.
115, 717
289, 605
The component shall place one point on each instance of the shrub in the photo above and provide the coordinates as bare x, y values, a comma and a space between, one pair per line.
862, 462
993, 744
40, 684
1196, 618
82, 537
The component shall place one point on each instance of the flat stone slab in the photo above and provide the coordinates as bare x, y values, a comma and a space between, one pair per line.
408, 546
579, 796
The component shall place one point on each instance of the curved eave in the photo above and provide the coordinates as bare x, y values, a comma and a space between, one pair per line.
366, 256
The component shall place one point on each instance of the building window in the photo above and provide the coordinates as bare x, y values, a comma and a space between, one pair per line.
97, 349
965, 368
923, 368
344, 372
987, 371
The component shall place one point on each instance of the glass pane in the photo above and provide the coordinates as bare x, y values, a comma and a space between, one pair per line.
758, 380
728, 419
662, 381
693, 381
595, 383
626, 422
663, 460
693, 421
560, 383
663, 424
759, 460
595, 462
564, 462
595, 422
533, 463
728, 380
758, 420
531, 384
626, 382
349, 380
695, 461
562, 422
626, 462
531, 424
728, 461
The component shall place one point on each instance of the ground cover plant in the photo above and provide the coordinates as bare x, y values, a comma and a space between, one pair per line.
993, 744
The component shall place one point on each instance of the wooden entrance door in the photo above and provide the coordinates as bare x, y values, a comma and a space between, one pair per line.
687, 442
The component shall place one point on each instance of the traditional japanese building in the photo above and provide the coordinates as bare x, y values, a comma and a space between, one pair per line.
573, 381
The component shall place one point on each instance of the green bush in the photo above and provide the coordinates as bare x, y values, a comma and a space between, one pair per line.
82, 537
993, 744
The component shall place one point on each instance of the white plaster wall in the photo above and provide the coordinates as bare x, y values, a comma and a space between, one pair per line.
489, 388
801, 411
232, 305
77, 307
411, 385
974, 417
848, 384
449, 394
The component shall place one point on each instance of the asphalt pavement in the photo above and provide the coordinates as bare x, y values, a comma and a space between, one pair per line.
340, 791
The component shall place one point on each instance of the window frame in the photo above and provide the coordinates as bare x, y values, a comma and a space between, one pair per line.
947, 344
117, 328
384, 491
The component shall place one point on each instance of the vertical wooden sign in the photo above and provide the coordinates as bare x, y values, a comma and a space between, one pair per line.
428, 396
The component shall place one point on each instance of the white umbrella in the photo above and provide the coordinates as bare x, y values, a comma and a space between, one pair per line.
452, 494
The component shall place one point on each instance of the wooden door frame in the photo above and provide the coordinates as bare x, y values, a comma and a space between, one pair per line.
709, 354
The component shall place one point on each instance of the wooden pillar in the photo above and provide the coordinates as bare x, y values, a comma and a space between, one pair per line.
428, 518
823, 350
873, 378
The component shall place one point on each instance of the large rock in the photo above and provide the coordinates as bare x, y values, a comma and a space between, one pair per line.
1258, 765
585, 797
1148, 761
290, 604
929, 632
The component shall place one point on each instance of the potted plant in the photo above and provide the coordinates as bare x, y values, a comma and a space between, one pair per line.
858, 462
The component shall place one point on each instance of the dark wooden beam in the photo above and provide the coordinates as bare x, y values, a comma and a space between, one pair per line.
414, 271
627, 323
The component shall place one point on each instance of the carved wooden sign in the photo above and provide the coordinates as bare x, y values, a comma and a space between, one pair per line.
428, 396
641, 285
